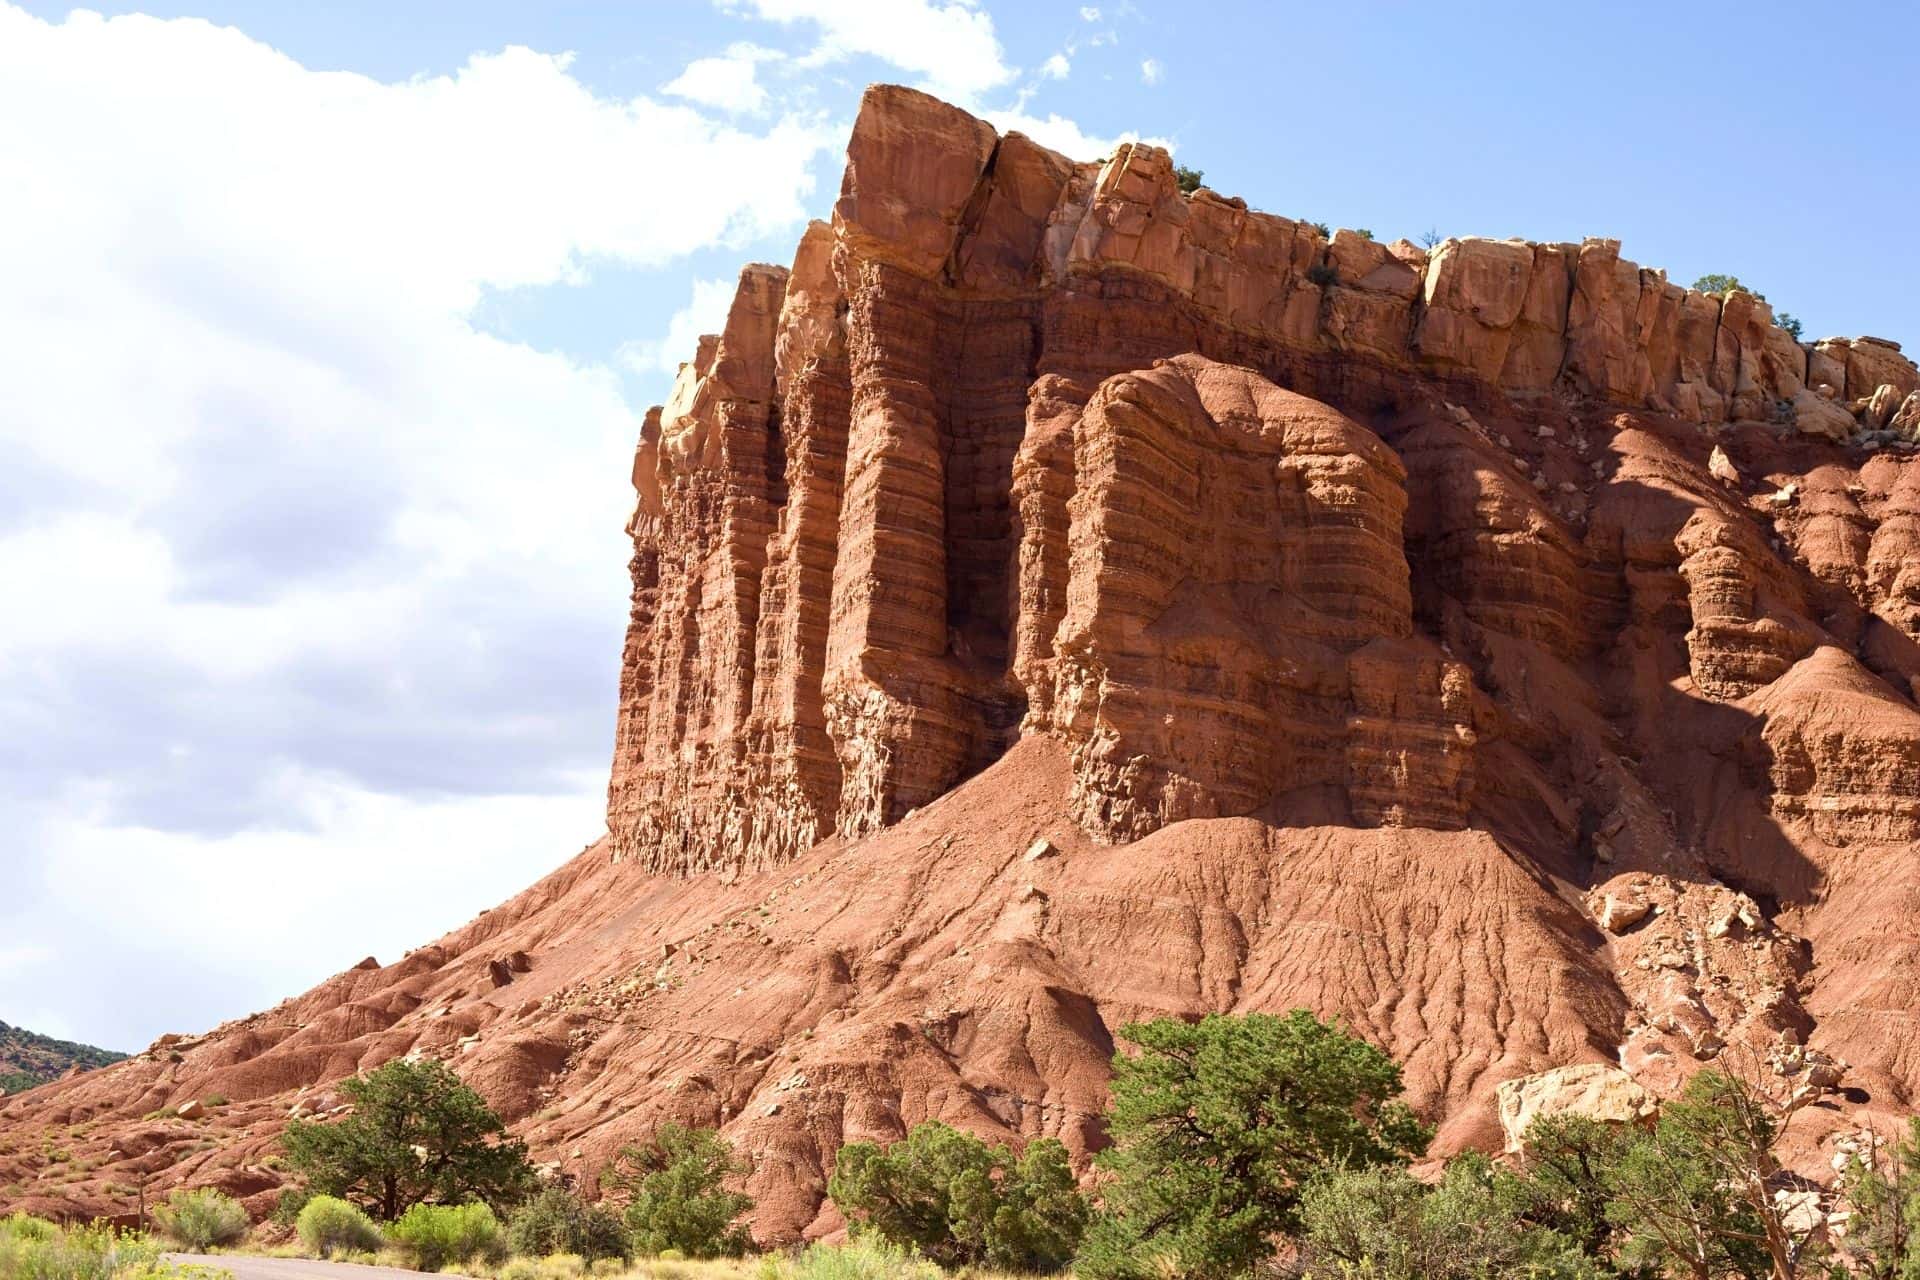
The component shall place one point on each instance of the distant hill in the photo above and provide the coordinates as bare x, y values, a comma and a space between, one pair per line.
27, 1059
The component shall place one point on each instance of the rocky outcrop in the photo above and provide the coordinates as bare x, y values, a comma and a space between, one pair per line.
1237, 619
1059, 600
862, 520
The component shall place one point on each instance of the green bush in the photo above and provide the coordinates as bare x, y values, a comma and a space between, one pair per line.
23, 1226
286, 1209
676, 1194
329, 1225
521, 1269
1792, 326
34, 1249
960, 1202
1188, 179
1721, 285
1881, 1182
417, 1135
1218, 1125
866, 1259
434, 1235
199, 1220
1384, 1224
558, 1221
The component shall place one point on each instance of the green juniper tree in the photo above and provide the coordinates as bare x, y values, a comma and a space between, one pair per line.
676, 1194
960, 1202
1218, 1125
416, 1135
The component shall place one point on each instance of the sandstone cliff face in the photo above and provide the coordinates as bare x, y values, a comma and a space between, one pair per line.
1058, 601
866, 564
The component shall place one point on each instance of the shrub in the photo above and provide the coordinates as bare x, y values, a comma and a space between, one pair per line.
1382, 1223
1322, 228
433, 1235
521, 1269
1561, 1179
24, 1226
562, 1266
1695, 1194
286, 1209
199, 1220
866, 1259
1188, 179
1430, 237
558, 1221
676, 1194
329, 1225
1363, 233
417, 1134
961, 1202
1722, 285
1792, 326
34, 1249
1881, 1183
1323, 274
1217, 1126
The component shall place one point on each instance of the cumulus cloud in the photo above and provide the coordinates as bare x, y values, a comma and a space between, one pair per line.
951, 45
730, 83
1089, 14
1151, 71
1063, 135
1057, 67
310, 582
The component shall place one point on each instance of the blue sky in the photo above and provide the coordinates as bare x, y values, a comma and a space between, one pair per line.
328, 329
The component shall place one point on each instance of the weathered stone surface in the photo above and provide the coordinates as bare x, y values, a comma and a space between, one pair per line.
1592, 1090
1237, 613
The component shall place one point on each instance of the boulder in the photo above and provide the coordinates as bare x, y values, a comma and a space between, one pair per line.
1815, 415
1618, 914
1882, 405
1721, 467
1905, 422
1596, 1090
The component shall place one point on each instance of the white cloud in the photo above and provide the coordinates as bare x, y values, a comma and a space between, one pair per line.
310, 583
1151, 72
705, 312
1089, 14
729, 83
1056, 67
951, 45
258, 914
1062, 134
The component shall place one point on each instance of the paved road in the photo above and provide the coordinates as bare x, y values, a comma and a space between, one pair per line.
245, 1267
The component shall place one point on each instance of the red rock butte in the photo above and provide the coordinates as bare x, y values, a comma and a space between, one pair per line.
1060, 600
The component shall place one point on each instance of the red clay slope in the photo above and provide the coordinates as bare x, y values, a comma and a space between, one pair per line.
1059, 600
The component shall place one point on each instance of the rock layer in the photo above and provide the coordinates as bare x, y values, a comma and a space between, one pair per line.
856, 529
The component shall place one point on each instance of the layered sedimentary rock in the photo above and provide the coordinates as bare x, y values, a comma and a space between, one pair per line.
1059, 600
1237, 618
861, 515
